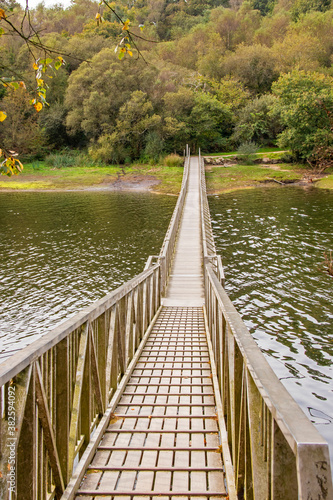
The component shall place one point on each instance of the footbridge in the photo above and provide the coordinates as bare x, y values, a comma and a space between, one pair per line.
157, 390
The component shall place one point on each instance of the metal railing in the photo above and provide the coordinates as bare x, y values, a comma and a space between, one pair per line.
276, 452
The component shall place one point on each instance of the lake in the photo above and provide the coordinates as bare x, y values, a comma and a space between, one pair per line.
62, 251
272, 242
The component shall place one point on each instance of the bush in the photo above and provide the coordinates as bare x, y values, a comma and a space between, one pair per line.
154, 146
248, 151
173, 160
60, 160
287, 158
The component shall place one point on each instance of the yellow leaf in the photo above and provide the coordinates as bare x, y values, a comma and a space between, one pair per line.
38, 106
35, 66
22, 85
40, 82
60, 59
98, 16
126, 25
2, 14
129, 52
3, 116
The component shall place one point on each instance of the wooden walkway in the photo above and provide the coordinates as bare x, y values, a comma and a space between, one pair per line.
186, 287
163, 439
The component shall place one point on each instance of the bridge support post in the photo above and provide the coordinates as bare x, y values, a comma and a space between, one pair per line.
163, 275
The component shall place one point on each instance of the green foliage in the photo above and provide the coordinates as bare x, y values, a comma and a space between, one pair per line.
208, 82
305, 103
210, 120
128, 139
254, 66
248, 151
20, 132
301, 7
154, 146
173, 160
256, 123
60, 160
264, 6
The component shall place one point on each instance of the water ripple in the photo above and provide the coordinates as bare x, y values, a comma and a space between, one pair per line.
62, 251
272, 243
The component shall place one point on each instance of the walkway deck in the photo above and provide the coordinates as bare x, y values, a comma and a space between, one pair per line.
164, 440
186, 287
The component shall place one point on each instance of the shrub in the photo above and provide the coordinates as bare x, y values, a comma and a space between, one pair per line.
173, 160
60, 160
248, 151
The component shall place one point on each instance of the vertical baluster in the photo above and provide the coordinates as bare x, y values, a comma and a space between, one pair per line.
101, 347
85, 404
27, 447
284, 473
62, 402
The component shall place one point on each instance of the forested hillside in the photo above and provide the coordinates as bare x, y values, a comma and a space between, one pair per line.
211, 73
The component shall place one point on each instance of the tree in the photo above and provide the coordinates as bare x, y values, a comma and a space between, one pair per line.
305, 102
253, 65
255, 122
22, 132
211, 122
298, 50
97, 91
128, 140
301, 7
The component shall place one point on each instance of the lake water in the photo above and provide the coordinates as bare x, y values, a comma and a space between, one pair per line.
272, 242
62, 251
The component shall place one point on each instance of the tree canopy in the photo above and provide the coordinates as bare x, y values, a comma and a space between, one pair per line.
135, 80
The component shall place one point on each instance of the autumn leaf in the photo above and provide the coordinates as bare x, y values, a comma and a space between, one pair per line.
126, 25
35, 66
38, 106
3, 116
2, 14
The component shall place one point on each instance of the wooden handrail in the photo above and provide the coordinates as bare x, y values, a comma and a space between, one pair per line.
168, 246
275, 450
55, 391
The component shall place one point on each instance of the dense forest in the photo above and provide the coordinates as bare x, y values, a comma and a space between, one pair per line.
211, 73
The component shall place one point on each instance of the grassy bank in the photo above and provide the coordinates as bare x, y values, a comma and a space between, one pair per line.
158, 178
325, 183
222, 179
42, 177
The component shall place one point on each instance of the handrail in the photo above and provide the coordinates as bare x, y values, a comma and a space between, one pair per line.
276, 451
208, 243
168, 245
55, 391
63, 383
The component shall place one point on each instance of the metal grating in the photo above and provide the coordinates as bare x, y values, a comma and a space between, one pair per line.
163, 440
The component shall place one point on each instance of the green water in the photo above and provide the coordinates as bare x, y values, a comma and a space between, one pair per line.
62, 251
272, 242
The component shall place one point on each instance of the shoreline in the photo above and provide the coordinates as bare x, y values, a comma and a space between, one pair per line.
165, 182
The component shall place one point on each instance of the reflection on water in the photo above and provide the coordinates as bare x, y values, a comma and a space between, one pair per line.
272, 243
62, 251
